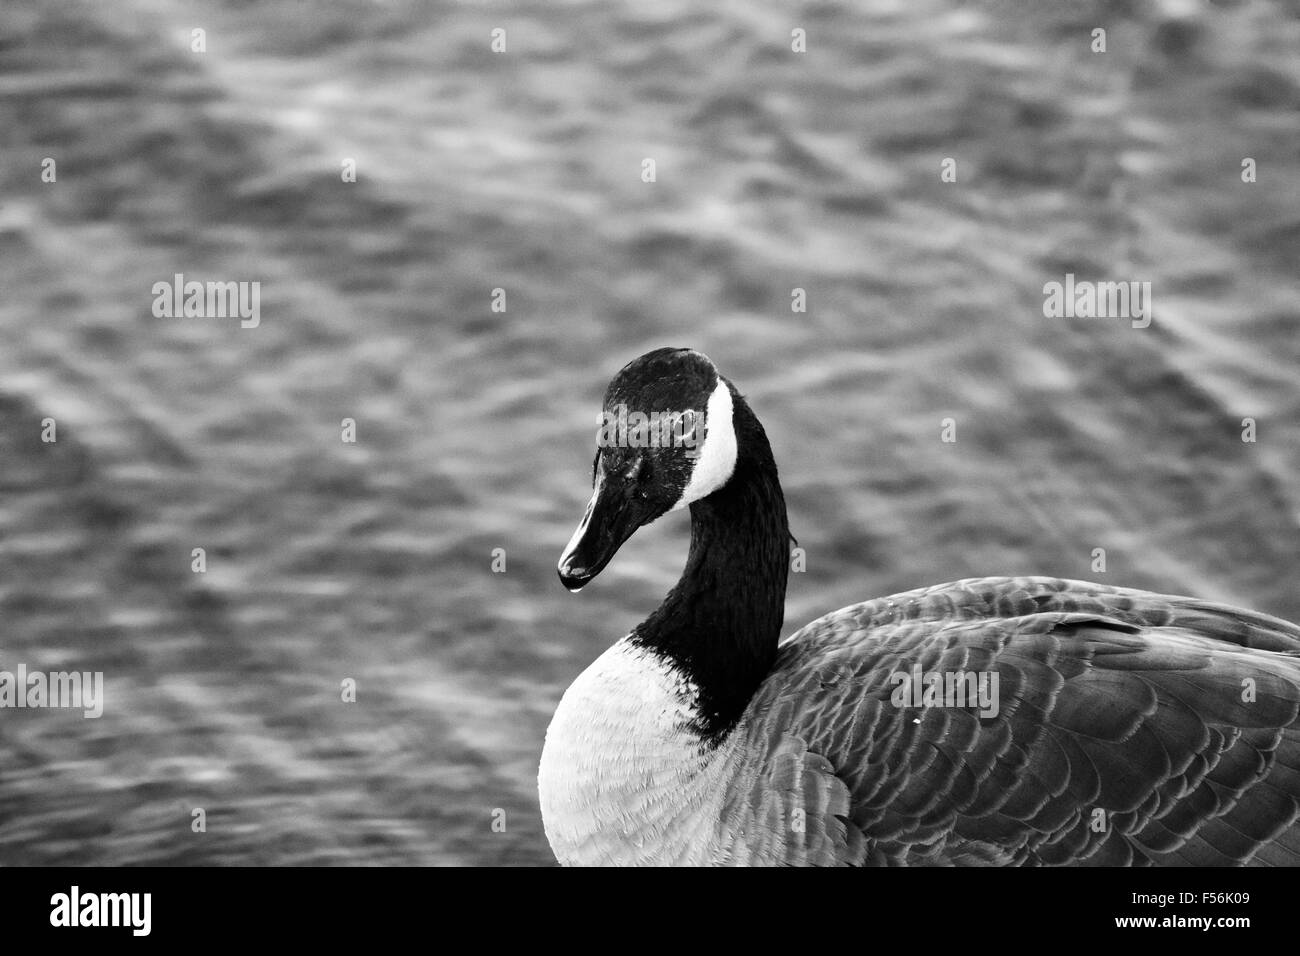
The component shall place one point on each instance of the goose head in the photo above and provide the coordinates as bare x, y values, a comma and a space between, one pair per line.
667, 439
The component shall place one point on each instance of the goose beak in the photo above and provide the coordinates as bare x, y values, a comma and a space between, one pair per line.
610, 519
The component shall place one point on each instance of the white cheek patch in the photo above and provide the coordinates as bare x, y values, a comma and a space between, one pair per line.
717, 458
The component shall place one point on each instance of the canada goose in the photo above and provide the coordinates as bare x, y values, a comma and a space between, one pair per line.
1129, 728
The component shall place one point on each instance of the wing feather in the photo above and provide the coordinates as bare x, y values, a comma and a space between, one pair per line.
1130, 729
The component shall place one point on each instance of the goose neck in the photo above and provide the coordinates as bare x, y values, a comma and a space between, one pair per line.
721, 624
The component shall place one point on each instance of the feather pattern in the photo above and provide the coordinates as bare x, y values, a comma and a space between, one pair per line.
1133, 729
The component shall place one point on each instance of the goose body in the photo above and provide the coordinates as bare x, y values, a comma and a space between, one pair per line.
990, 721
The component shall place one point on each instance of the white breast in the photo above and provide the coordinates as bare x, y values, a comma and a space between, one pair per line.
622, 778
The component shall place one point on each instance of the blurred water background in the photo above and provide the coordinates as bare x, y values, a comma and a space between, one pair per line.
775, 170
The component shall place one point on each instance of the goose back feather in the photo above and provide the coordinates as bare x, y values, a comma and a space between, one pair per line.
1133, 729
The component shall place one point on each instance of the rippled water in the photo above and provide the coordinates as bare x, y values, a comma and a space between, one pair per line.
521, 171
